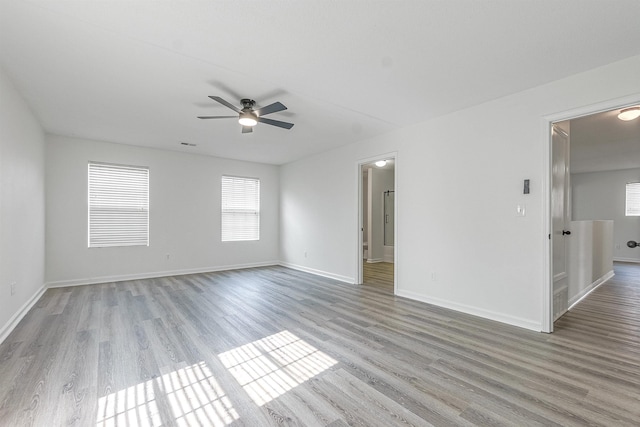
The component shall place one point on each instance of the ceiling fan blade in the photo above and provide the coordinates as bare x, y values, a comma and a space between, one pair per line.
271, 108
247, 129
225, 103
217, 117
278, 123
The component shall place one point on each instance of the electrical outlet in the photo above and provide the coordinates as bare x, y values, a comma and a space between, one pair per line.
434, 277
305, 254
13, 288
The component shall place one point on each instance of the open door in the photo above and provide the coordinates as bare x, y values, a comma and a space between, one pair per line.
560, 216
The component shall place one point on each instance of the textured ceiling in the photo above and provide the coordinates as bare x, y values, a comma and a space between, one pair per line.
139, 72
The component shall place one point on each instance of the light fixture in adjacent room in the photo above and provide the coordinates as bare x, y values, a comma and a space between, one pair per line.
630, 113
381, 163
247, 119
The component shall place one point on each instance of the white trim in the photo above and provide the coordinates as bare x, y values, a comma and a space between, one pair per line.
608, 105
621, 259
547, 247
592, 287
546, 122
13, 322
475, 311
153, 275
338, 277
374, 260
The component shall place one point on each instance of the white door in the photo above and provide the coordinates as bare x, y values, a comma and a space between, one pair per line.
560, 216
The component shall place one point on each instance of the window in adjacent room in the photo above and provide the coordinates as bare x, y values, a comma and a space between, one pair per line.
240, 208
633, 199
118, 205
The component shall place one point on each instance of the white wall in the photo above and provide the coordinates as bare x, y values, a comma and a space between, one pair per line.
184, 214
601, 195
22, 214
459, 180
380, 180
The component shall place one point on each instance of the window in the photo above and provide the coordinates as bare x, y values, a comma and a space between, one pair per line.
118, 205
633, 199
240, 208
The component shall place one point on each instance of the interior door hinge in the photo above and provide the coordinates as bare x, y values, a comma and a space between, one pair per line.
549, 236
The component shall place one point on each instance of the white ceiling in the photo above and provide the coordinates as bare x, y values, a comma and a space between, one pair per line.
602, 142
390, 165
139, 72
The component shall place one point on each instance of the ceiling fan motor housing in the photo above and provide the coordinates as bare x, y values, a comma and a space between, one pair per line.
247, 104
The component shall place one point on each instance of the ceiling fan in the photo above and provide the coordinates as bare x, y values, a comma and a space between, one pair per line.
248, 117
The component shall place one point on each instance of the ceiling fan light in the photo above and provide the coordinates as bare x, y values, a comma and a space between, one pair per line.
381, 163
247, 119
629, 113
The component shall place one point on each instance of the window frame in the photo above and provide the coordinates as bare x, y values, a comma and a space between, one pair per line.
134, 196
233, 228
632, 199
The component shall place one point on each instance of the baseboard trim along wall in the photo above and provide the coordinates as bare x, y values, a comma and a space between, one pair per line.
13, 322
475, 311
626, 259
318, 272
592, 287
140, 276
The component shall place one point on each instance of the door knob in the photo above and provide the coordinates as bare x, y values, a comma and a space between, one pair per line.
566, 232
632, 244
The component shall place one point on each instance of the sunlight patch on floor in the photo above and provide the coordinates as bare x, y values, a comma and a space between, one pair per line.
194, 396
269, 367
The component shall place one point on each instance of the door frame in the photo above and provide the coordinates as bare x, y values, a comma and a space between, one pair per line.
547, 122
359, 263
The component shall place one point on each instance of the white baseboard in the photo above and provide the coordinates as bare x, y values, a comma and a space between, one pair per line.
13, 322
626, 259
475, 311
586, 291
374, 260
339, 277
139, 276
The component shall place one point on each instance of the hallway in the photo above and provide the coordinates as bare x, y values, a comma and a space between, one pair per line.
609, 316
379, 274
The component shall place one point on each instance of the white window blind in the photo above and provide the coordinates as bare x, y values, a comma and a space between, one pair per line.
240, 208
633, 199
118, 205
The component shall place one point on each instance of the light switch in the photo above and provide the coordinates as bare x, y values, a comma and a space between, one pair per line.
521, 210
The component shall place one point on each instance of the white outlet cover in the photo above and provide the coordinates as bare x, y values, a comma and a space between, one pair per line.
521, 210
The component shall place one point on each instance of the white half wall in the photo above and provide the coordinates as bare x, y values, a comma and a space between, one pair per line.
22, 207
184, 215
601, 195
459, 178
590, 259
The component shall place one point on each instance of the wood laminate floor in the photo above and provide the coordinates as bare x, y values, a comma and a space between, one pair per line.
378, 274
277, 347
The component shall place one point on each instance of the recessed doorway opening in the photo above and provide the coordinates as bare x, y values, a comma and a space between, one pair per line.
593, 155
377, 226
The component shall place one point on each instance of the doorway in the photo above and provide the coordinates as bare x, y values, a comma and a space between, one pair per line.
589, 149
377, 226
